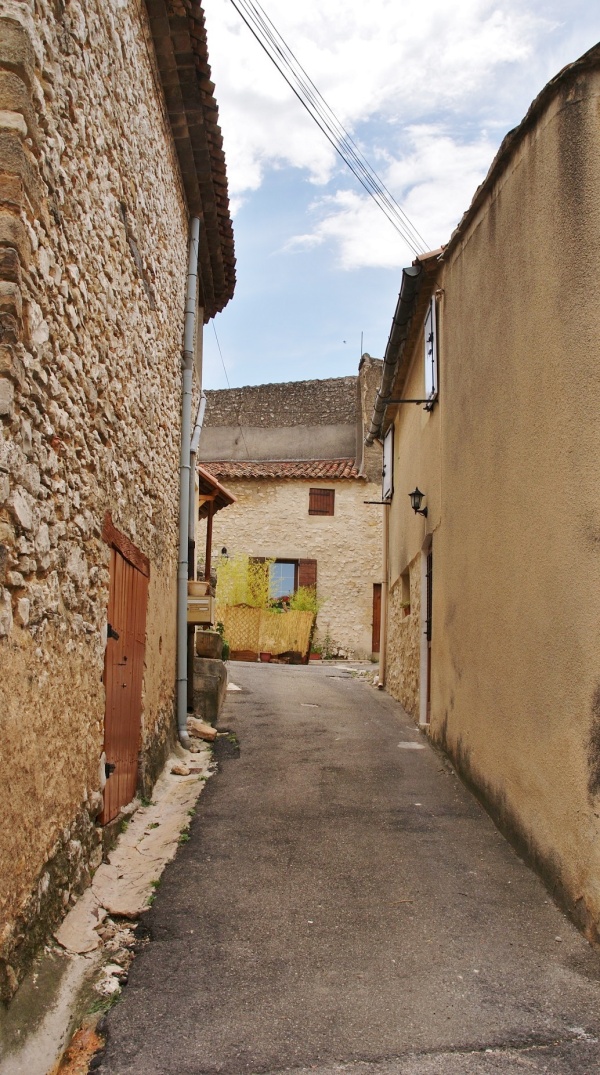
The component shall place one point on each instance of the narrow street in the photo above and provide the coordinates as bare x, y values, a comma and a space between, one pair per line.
343, 900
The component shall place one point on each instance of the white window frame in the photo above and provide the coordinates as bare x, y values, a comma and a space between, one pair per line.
387, 473
431, 353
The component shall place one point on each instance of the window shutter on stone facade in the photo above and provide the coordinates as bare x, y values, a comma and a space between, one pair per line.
307, 573
321, 501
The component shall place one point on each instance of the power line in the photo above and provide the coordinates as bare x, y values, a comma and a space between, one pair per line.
312, 100
345, 137
228, 385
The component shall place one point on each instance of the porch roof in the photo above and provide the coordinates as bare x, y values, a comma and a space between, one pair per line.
208, 486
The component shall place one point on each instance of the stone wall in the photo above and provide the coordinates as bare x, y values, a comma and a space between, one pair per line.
294, 403
404, 640
298, 420
270, 519
369, 458
93, 255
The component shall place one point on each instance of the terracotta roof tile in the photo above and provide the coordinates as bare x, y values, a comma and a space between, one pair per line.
316, 469
179, 36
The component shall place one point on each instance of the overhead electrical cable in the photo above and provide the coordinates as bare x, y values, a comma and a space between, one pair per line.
327, 113
312, 100
239, 424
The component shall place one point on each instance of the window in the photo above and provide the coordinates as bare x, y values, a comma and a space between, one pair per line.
321, 501
283, 578
431, 357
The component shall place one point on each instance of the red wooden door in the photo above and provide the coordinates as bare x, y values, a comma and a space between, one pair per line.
375, 643
123, 675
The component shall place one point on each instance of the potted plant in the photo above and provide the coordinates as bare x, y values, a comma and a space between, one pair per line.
265, 657
316, 652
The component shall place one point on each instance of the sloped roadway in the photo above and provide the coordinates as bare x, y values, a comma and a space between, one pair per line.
344, 904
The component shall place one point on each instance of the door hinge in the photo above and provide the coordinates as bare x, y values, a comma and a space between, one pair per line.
109, 767
111, 633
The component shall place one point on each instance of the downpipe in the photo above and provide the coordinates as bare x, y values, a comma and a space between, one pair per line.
195, 443
187, 367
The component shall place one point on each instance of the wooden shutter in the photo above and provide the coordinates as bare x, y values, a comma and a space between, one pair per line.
307, 573
321, 501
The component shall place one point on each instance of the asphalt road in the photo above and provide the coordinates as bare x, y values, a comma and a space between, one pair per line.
345, 907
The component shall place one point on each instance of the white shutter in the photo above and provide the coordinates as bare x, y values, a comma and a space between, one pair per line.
387, 485
431, 367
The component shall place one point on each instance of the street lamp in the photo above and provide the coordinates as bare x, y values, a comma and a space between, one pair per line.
416, 499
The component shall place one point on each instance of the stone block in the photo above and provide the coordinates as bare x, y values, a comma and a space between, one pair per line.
11, 192
6, 617
21, 506
15, 96
16, 50
16, 163
11, 322
7, 395
22, 612
10, 267
209, 644
13, 121
210, 687
13, 234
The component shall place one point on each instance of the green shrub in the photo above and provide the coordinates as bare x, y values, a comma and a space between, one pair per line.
243, 581
305, 600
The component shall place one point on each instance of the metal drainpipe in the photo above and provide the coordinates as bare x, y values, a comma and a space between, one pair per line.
187, 363
193, 453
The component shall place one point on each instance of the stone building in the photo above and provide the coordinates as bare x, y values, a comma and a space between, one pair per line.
109, 145
494, 595
293, 455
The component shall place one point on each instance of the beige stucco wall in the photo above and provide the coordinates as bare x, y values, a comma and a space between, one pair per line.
96, 227
509, 462
271, 519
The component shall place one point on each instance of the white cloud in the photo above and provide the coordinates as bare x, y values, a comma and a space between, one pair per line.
423, 87
433, 182
378, 59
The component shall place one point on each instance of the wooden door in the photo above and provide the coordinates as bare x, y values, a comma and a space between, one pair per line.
376, 641
123, 675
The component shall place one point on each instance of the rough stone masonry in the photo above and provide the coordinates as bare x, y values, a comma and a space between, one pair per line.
93, 255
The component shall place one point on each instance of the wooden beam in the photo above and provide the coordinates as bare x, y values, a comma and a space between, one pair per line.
209, 531
125, 546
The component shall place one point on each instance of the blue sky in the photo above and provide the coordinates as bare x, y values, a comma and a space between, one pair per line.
427, 96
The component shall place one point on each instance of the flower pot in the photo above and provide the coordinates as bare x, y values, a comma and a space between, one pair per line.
198, 588
315, 657
265, 657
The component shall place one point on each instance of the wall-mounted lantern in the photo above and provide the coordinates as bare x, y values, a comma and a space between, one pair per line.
416, 499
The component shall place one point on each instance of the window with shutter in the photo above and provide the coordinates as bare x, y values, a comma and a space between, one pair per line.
283, 576
431, 358
321, 501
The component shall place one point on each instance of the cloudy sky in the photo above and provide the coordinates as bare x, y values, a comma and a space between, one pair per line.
427, 91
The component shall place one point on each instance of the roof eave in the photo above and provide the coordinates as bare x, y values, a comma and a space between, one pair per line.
182, 60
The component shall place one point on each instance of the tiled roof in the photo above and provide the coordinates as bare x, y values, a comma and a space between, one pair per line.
179, 36
317, 469
209, 486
